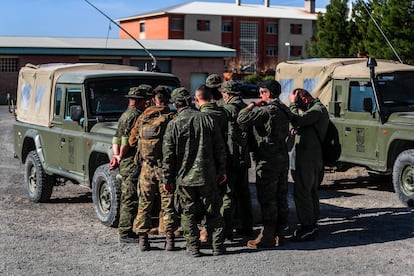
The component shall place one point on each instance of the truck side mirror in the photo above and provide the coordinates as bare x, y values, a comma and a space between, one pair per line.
368, 105
76, 113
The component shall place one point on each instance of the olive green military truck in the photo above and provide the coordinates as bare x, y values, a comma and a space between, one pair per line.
371, 104
66, 116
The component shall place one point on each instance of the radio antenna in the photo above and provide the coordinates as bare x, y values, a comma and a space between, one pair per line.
379, 28
154, 61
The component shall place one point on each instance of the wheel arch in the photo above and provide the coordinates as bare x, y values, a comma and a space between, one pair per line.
395, 148
96, 159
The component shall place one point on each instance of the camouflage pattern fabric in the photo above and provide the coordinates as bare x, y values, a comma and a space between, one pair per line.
308, 162
271, 126
149, 186
193, 150
236, 200
129, 196
205, 201
194, 155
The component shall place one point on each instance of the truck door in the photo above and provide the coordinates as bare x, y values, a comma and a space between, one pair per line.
71, 146
360, 126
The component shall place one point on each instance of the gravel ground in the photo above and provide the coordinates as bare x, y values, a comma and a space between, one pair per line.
364, 230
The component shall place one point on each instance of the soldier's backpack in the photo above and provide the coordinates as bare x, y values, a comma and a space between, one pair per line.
151, 130
331, 147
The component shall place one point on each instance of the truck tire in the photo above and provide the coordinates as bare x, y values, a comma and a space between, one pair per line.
106, 194
403, 177
38, 184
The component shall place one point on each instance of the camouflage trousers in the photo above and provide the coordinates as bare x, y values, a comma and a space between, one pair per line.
129, 197
196, 201
272, 189
149, 187
241, 207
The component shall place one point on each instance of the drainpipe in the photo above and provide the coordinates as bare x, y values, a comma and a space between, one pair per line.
238, 2
267, 3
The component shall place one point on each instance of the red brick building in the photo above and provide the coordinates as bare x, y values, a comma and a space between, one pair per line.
262, 35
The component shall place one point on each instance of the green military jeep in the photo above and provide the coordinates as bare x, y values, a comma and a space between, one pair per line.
371, 104
66, 115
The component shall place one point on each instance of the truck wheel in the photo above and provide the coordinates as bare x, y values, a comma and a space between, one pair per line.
403, 177
106, 194
38, 184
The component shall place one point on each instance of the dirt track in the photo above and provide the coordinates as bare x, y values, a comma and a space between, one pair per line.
364, 229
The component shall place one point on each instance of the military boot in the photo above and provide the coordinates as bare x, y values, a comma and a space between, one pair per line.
265, 239
143, 242
169, 242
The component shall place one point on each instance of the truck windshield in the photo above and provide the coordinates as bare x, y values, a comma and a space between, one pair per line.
106, 97
397, 90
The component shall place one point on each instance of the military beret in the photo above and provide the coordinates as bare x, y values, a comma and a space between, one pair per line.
272, 85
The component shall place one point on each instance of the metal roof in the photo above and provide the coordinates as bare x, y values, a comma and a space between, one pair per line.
111, 46
232, 9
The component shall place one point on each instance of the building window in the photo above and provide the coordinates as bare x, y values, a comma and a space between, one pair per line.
248, 46
296, 28
142, 27
227, 27
271, 51
203, 25
271, 28
9, 64
296, 51
177, 24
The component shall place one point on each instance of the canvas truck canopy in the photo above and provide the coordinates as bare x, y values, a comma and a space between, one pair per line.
315, 75
36, 86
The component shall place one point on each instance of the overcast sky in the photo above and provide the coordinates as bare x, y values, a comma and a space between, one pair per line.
75, 18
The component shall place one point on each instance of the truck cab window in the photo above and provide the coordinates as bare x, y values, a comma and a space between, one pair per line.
358, 91
73, 97
58, 100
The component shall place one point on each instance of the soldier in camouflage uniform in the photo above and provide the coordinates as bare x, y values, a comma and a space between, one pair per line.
270, 119
194, 162
124, 158
205, 103
147, 136
237, 205
213, 82
310, 124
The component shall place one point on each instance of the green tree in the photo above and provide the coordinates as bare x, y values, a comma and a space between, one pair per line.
395, 19
332, 32
363, 34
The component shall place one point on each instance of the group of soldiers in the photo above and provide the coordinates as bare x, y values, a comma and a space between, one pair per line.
196, 159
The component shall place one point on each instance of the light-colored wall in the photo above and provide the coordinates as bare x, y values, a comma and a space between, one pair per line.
293, 39
190, 28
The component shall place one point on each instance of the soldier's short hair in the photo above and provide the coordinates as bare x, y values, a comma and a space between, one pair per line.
273, 86
204, 92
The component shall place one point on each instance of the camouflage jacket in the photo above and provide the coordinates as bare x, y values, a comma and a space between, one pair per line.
125, 124
307, 123
237, 139
271, 127
193, 150
218, 114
